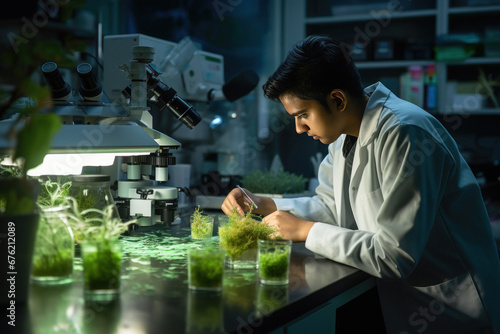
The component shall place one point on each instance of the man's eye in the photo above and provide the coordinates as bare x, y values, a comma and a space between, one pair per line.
302, 116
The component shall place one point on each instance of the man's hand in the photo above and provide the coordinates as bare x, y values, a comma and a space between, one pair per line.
289, 227
236, 199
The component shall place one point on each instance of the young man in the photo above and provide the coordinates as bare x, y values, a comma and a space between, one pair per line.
396, 199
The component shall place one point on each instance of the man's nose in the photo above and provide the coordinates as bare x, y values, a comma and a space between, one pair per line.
300, 126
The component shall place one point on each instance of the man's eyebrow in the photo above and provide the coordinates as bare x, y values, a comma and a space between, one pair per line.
297, 113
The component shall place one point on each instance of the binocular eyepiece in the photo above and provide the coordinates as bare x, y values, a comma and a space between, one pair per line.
61, 90
90, 90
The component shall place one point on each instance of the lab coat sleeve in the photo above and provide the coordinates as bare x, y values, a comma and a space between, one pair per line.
319, 208
407, 173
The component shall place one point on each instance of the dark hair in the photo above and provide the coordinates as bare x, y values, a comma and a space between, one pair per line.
312, 69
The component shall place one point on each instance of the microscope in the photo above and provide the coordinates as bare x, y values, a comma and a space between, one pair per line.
141, 195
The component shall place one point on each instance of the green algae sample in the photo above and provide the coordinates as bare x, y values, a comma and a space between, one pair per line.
202, 226
50, 265
101, 265
242, 233
206, 268
274, 265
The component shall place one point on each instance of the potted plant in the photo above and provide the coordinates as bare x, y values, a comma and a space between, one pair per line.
274, 182
100, 248
28, 127
239, 238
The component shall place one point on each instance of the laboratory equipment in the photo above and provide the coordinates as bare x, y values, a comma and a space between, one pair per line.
195, 74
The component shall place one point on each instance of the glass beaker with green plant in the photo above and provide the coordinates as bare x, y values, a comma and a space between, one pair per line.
101, 250
274, 261
239, 236
54, 245
202, 225
206, 268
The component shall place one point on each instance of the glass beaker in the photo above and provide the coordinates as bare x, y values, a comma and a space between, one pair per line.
274, 261
102, 260
202, 226
205, 268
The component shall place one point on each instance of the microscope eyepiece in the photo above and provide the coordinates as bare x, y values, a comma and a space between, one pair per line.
167, 97
184, 111
60, 89
91, 89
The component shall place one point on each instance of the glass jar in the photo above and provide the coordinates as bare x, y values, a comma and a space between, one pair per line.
92, 191
54, 248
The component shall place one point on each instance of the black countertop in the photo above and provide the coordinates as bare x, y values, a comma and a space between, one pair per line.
155, 297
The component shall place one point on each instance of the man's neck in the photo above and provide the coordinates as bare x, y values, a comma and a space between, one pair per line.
355, 113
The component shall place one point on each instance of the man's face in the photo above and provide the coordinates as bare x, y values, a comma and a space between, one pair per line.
313, 118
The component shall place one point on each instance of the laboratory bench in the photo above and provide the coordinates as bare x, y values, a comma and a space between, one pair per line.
322, 296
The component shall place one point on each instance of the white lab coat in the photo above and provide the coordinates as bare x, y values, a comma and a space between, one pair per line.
421, 226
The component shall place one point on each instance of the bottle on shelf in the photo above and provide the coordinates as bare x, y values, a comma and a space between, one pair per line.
412, 85
430, 94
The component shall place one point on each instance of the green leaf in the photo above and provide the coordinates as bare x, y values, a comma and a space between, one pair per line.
53, 51
35, 138
41, 94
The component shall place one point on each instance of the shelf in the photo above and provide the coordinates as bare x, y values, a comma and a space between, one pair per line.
421, 25
473, 61
468, 113
381, 64
473, 10
369, 17
58, 27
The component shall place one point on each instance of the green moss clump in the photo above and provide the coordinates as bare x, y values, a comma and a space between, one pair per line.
201, 225
53, 265
87, 202
273, 266
242, 233
269, 182
102, 267
206, 268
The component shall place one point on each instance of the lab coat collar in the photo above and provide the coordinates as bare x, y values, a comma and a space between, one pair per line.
378, 96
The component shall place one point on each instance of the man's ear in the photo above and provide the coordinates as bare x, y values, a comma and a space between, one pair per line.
339, 98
